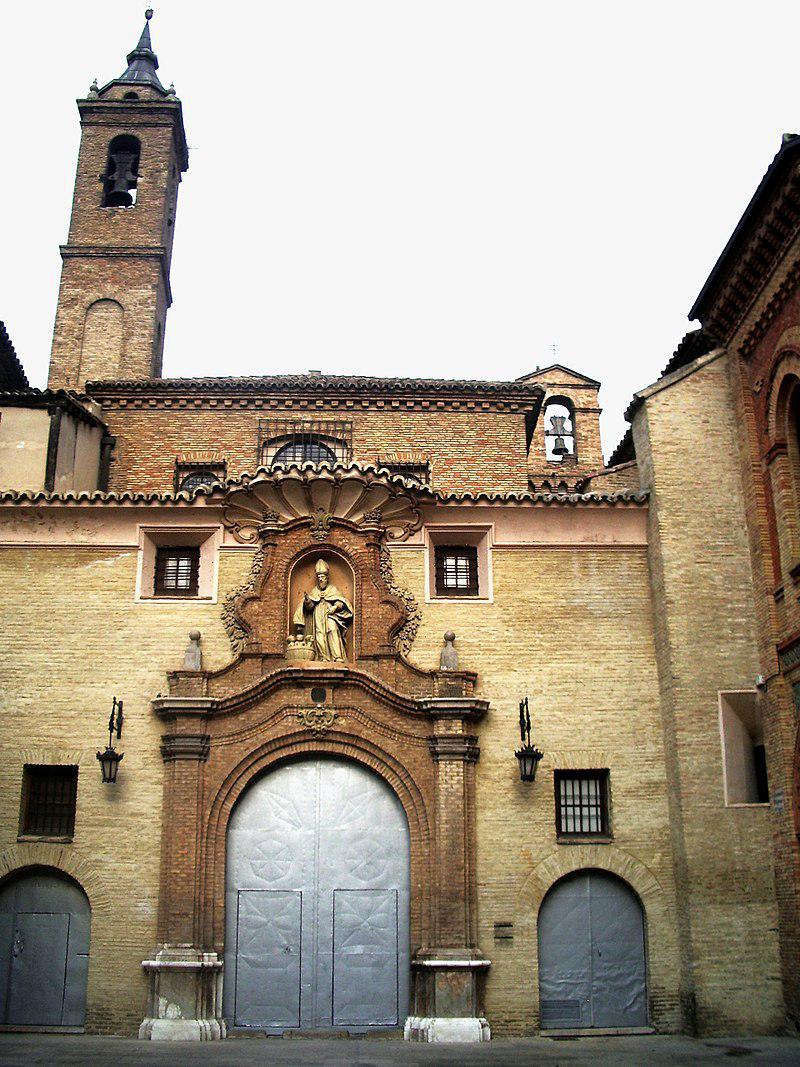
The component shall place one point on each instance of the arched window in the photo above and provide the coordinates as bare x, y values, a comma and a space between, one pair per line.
559, 431
122, 172
306, 450
193, 481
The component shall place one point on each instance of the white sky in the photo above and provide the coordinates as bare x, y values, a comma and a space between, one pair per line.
423, 188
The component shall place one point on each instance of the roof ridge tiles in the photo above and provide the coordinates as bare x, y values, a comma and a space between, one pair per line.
314, 383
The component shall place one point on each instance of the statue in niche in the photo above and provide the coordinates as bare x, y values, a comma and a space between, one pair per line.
324, 617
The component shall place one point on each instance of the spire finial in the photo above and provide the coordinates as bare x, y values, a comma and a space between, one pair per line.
142, 61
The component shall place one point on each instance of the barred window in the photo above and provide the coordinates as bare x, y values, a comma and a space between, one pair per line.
48, 800
287, 441
581, 802
417, 472
304, 451
177, 570
206, 478
456, 570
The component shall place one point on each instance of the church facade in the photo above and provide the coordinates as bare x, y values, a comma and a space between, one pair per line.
421, 716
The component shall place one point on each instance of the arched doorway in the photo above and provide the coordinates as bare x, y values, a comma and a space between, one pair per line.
44, 949
592, 970
317, 901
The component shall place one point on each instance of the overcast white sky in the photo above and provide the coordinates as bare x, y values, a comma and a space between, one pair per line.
425, 188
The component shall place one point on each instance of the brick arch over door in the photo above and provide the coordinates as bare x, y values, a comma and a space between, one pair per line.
288, 747
80, 870
657, 902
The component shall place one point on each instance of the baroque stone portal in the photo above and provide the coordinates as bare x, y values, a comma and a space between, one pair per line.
324, 614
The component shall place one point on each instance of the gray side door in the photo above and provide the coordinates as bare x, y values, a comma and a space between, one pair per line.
317, 901
44, 951
592, 969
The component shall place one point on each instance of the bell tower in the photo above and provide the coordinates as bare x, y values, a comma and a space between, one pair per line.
115, 291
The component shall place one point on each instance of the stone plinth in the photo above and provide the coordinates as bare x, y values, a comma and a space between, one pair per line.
184, 1001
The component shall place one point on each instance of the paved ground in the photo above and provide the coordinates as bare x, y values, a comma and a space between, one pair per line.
25, 1050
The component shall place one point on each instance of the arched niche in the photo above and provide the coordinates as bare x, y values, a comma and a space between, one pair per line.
303, 579
783, 453
560, 434
101, 347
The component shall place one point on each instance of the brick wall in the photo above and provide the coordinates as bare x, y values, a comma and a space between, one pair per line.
470, 448
705, 626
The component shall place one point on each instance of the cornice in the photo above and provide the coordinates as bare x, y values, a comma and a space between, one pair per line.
754, 251
303, 390
157, 252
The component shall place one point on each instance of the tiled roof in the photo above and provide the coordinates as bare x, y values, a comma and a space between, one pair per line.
12, 374
774, 178
66, 399
423, 493
313, 383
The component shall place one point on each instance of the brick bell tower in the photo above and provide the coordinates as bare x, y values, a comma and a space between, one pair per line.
115, 291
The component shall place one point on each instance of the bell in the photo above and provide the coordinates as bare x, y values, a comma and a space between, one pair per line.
560, 447
121, 179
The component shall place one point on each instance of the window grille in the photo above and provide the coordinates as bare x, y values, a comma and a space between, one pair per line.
304, 441
177, 571
417, 472
581, 802
48, 800
456, 570
408, 464
194, 480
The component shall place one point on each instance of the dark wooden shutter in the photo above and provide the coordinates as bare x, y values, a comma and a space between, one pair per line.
456, 570
177, 571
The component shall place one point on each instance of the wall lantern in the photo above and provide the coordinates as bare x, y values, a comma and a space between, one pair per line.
529, 755
110, 759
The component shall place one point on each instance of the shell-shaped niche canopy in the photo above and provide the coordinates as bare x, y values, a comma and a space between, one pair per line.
359, 494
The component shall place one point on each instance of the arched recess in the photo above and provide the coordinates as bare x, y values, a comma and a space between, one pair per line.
299, 745
101, 346
45, 920
560, 431
592, 956
304, 579
783, 453
317, 896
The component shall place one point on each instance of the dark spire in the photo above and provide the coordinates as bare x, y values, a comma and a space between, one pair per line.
142, 61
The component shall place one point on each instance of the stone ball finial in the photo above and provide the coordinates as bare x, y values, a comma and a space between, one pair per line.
193, 656
448, 657
148, 14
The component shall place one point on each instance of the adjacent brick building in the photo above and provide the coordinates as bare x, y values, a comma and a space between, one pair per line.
325, 602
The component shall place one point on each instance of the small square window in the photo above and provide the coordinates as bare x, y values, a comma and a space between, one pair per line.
581, 803
48, 800
177, 570
456, 570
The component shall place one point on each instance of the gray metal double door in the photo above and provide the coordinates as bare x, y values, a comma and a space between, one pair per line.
317, 901
592, 970
44, 951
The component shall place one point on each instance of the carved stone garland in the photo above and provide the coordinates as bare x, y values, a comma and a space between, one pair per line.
231, 620
404, 638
